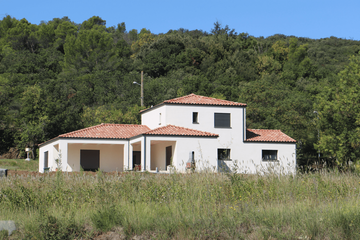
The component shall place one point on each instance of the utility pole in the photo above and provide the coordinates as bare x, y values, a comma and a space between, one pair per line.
142, 88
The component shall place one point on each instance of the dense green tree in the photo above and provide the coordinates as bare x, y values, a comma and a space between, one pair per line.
339, 115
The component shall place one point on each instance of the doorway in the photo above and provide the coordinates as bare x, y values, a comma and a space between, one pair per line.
168, 155
90, 160
136, 160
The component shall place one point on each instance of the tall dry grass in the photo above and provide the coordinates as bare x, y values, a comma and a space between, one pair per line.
191, 206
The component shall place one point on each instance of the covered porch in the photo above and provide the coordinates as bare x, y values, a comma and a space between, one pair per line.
152, 155
88, 155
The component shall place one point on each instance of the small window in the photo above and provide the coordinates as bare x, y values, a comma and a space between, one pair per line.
159, 118
223, 154
46, 159
269, 155
222, 120
195, 117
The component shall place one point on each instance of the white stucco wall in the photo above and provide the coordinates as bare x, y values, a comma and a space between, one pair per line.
248, 158
155, 117
52, 149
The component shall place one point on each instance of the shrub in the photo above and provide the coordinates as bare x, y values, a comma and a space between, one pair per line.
106, 218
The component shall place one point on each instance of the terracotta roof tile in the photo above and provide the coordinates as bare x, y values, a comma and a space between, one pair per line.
202, 100
108, 131
193, 99
179, 131
266, 135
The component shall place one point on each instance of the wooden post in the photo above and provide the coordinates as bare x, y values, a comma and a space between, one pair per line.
142, 88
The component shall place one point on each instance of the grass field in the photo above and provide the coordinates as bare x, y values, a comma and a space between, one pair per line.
19, 164
183, 206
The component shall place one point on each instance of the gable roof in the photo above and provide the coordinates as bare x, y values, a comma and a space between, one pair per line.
108, 131
267, 135
171, 130
193, 99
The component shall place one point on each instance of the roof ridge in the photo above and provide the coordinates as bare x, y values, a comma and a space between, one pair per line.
179, 127
100, 125
189, 129
263, 129
82, 130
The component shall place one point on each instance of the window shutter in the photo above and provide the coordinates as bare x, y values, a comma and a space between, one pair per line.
222, 120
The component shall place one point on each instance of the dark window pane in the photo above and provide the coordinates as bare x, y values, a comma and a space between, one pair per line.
195, 117
223, 154
46, 159
222, 120
269, 155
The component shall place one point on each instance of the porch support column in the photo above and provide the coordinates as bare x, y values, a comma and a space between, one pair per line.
126, 159
63, 154
148, 154
143, 153
131, 160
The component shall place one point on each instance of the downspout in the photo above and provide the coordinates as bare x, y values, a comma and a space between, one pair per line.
244, 124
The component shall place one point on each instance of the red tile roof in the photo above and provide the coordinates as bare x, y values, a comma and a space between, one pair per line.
179, 131
108, 131
193, 99
266, 135
201, 100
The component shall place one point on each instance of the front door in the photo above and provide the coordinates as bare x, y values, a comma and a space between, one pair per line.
168, 155
90, 160
136, 159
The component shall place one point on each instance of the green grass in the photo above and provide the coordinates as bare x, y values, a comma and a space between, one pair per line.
184, 206
19, 164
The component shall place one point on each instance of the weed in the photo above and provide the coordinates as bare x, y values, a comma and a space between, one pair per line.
106, 218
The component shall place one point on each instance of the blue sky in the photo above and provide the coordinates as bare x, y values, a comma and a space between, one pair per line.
313, 19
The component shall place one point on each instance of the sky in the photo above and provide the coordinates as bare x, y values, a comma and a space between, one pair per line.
301, 18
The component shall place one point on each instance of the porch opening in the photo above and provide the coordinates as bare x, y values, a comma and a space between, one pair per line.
90, 160
162, 154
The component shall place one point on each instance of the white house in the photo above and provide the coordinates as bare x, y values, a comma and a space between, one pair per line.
208, 131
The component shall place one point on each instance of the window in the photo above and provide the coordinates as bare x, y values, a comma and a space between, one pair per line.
223, 154
159, 118
195, 117
269, 155
222, 120
46, 159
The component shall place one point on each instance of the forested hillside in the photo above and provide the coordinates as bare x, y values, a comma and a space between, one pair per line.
60, 76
